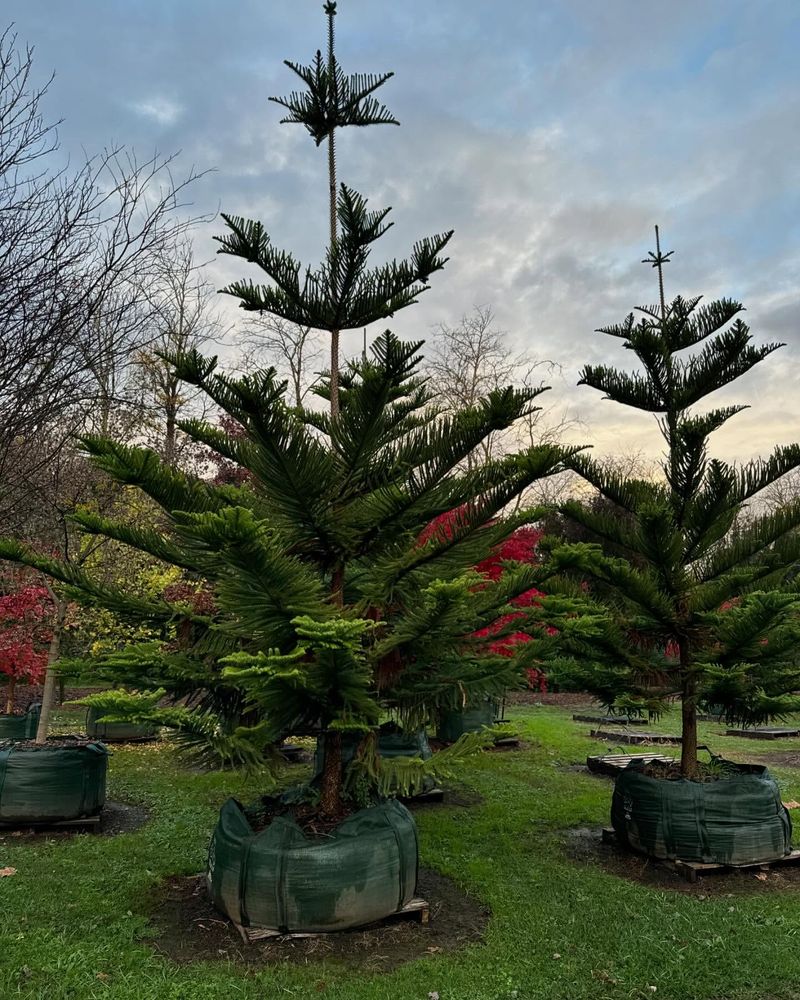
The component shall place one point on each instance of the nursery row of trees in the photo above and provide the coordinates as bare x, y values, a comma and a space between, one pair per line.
367, 537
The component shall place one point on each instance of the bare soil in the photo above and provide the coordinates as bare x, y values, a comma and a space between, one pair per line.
781, 758
53, 743
116, 818
455, 794
585, 846
186, 928
561, 699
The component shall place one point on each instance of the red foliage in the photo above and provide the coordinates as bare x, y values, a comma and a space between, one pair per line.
199, 598
519, 547
25, 633
229, 473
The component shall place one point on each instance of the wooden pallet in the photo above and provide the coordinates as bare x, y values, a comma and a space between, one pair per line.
417, 909
765, 732
634, 738
610, 720
691, 869
612, 763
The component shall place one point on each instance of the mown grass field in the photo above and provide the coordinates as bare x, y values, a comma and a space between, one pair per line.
75, 922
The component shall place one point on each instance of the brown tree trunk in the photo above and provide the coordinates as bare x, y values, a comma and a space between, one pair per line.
12, 684
688, 715
48, 695
330, 796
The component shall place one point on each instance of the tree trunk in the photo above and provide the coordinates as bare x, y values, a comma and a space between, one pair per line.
170, 432
330, 797
48, 695
688, 716
334, 237
12, 684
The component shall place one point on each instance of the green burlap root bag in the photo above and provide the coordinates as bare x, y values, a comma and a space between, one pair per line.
117, 732
20, 727
279, 879
48, 784
736, 820
472, 719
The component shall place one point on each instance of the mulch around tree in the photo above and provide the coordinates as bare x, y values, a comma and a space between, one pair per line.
781, 758
585, 846
116, 818
186, 928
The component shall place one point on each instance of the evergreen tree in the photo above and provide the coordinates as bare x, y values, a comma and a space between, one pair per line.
703, 607
334, 600
341, 294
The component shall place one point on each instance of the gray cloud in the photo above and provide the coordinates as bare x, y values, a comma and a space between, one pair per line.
551, 136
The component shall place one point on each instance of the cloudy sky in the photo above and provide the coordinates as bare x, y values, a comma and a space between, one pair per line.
550, 134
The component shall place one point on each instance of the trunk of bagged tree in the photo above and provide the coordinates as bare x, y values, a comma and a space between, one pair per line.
688, 717
12, 684
48, 695
330, 796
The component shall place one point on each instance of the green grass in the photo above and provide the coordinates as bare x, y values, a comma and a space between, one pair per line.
73, 919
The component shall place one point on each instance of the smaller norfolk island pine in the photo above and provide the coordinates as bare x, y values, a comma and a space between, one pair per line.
706, 604
332, 603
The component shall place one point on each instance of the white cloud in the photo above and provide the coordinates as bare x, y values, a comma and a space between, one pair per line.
158, 109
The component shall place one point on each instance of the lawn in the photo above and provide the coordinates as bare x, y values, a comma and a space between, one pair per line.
75, 922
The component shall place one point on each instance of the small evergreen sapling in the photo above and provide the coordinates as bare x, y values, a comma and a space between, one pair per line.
706, 605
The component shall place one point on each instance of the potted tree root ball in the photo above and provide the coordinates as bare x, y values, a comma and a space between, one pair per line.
702, 610
327, 611
118, 732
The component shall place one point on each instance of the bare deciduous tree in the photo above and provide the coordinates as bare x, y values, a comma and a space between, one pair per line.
183, 318
295, 351
74, 246
466, 361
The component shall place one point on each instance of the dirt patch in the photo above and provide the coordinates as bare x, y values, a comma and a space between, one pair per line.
585, 846
561, 699
790, 758
116, 818
454, 795
187, 929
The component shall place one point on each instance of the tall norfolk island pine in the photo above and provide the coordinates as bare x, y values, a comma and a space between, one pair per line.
333, 599
703, 607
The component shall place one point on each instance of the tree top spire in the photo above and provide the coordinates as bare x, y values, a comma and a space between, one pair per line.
657, 260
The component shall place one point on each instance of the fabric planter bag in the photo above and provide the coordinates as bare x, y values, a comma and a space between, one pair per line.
46, 784
20, 727
281, 880
117, 732
454, 723
736, 820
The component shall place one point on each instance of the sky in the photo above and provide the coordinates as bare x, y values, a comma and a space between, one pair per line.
551, 135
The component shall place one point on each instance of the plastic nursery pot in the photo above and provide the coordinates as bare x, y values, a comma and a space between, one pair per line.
117, 732
58, 781
20, 727
281, 880
737, 819
454, 723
